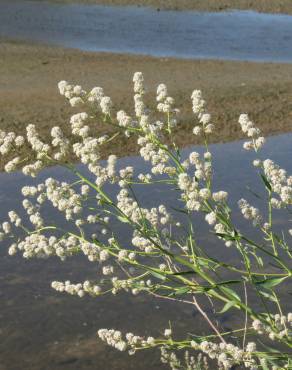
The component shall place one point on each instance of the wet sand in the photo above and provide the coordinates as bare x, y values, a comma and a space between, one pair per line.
29, 75
265, 6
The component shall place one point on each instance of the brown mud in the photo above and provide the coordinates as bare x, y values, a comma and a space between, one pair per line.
28, 89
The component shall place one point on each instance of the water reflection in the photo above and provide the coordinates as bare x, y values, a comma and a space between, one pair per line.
40, 329
238, 35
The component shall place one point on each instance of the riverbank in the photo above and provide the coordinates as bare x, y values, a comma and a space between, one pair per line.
264, 6
29, 75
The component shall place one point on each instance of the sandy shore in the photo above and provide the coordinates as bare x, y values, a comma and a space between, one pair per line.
266, 6
29, 75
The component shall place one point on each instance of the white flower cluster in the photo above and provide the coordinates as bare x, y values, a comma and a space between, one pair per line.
108, 270
135, 286
40, 148
138, 80
95, 95
125, 120
151, 129
121, 285
14, 218
221, 230
140, 108
106, 105
35, 245
157, 216
199, 110
80, 289
170, 358
220, 196
157, 156
126, 174
42, 151
75, 94
190, 362
193, 195
252, 132
6, 227
203, 167
88, 150
227, 354
59, 141
33, 169
166, 105
34, 214
37, 145
249, 212
35, 191
12, 165
280, 182
146, 178
63, 197
40, 246
190, 188
211, 218
78, 97
78, 126
10, 141
91, 250
115, 339
280, 326
142, 243
103, 174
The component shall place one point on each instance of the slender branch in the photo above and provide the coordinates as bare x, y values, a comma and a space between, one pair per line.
203, 313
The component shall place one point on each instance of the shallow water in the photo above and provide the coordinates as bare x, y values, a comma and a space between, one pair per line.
236, 35
42, 329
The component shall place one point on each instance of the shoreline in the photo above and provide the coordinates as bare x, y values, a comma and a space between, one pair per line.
262, 6
29, 74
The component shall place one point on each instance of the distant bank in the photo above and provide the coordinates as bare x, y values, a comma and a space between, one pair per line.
264, 6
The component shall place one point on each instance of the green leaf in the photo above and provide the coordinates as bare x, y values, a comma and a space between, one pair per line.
226, 237
227, 306
123, 219
183, 273
270, 349
268, 296
157, 275
266, 182
227, 282
270, 283
232, 293
181, 291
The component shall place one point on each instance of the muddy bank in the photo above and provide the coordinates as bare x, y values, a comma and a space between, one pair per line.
265, 6
29, 76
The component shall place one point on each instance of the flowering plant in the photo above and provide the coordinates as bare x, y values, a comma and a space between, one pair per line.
163, 259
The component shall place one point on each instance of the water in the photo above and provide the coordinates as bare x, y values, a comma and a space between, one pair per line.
236, 35
42, 329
